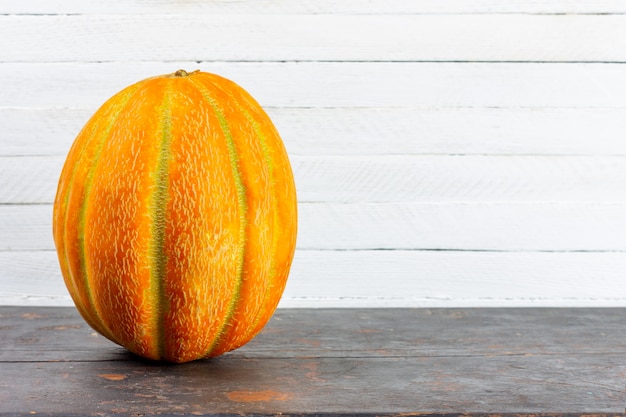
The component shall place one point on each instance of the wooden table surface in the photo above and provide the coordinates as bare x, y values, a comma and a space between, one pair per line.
330, 361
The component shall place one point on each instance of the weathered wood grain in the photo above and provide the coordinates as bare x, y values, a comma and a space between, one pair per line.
374, 131
262, 7
345, 37
346, 362
335, 84
499, 226
410, 279
40, 334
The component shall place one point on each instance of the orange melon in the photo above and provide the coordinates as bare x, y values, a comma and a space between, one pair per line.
175, 217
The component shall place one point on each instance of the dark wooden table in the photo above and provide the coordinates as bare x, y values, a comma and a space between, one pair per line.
330, 361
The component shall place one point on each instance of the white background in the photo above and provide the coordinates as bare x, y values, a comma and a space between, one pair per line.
446, 153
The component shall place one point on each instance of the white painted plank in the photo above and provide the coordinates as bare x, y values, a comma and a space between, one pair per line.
391, 279
427, 178
26, 227
261, 7
247, 37
422, 226
458, 226
31, 278
332, 84
482, 207
419, 178
29, 179
418, 278
374, 131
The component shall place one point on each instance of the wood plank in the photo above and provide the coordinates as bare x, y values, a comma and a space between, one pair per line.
41, 334
443, 278
428, 178
30, 180
374, 131
441, 362
26, 227
246, 37
303, 387
501, 226
334, 84
398, 178
194, 7
391, 279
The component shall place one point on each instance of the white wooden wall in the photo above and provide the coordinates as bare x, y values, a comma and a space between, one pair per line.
446, 152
